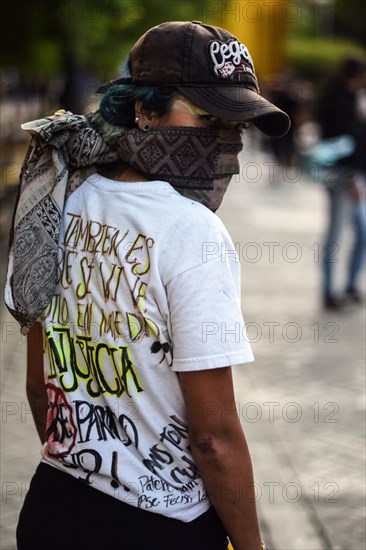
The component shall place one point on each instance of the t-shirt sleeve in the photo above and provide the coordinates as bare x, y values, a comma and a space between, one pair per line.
206, 322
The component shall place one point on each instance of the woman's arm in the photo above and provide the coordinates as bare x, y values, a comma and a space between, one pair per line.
221, 453
35, 386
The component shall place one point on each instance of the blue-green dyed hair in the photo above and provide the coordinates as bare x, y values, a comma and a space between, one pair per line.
117, 105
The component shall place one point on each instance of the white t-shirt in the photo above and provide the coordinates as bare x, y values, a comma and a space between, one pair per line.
148, 286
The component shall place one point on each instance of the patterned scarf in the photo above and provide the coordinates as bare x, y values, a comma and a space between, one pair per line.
64, 150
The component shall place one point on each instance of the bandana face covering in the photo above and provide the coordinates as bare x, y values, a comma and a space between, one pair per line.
195, 161
64, 150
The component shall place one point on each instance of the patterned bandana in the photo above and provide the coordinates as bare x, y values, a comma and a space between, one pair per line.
64, 150
184, 156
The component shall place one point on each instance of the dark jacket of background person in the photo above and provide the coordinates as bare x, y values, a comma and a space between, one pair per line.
338, 113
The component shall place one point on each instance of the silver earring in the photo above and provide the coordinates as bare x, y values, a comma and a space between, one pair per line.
136, 119
146, 128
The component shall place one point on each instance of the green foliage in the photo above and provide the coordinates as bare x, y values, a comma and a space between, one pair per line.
45, 55
39, 35
327, 32
317, 58
350, 18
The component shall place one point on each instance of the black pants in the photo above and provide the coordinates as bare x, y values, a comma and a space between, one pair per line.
62, 513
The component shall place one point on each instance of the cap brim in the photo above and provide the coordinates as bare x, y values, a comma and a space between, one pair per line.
241, 104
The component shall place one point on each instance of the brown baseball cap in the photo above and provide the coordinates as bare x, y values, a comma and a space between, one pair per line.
208, 65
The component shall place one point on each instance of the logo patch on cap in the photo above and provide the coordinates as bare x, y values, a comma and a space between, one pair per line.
230, 59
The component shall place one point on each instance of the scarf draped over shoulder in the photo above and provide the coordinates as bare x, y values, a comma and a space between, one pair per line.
62, 153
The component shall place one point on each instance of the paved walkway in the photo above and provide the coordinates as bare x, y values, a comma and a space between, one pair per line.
301, 402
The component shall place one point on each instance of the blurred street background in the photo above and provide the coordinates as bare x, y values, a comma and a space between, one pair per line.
302, 402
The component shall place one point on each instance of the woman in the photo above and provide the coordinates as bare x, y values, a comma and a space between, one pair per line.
142, 446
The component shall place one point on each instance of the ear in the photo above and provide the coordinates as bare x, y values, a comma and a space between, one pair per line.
145, 117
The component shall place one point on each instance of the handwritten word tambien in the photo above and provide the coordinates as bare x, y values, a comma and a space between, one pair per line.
92, 236
99, 239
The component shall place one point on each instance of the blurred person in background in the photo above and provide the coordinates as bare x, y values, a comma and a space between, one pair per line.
292, 95
340, 115
118, 262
